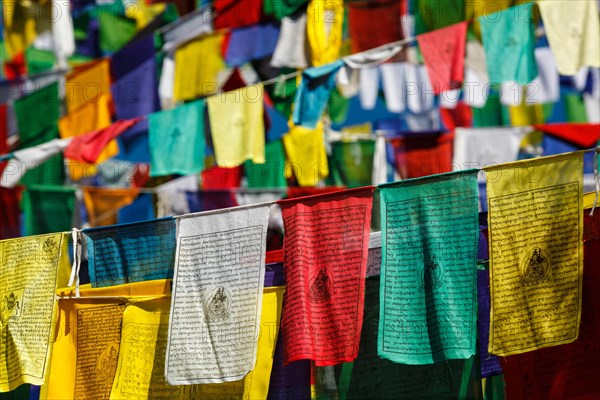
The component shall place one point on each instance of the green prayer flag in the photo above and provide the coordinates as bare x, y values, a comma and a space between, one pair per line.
575, 108
176, 140
283, 94
493, 113
48, 209
115, 31
509, 41
436, 14
37, 119
271, 173
35, 113
338, 107
282, 8
429, 235
39, 60
354, 161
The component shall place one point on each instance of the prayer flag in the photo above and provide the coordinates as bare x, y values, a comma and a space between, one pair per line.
9, 213
423, 154
373, 377
30, 158
444, 54
237, 126
48, 209
290, 49
374, 23
433, 14
354, 161
29, 271
573, 32
306, 156
271, 173
326, 247
571, 370
88, 147
236, 13
316, 86
177, 140
490, 364
251, 43
217, 292
429, 236
580, 134
324, 30
509, 42
131, 252
87, 84
37, 116
103, 204
535, 229
88, 332
483, 147
197, 64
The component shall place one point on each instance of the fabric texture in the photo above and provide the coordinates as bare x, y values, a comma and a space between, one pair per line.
509, 41
176, 140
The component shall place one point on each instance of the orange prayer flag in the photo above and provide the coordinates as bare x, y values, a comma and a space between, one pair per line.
103, 204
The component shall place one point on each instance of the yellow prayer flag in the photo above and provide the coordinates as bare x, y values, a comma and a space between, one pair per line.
143, 13
573, 32
237, 126
140, 372
324, 25
87, 336
22, 22
29, 270
306, 156
527, 115
87, 84
588, 200
476, 9
197, 64
536, 253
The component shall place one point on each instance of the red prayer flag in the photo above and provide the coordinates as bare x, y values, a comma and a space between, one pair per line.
221, 178
582, 135
326, 246
420, 155
15, 68
9, 213
4, 148
3, 129
374, 23
459, 116
300, 191
236, 13
87, 148
444, 55
572, 370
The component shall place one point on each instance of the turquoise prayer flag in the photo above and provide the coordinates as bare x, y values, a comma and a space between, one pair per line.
313, 93
428, 295
133, 252
509, 41
176, 140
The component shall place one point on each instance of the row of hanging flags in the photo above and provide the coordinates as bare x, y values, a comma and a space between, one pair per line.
436, 280
230, 127
236, 321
